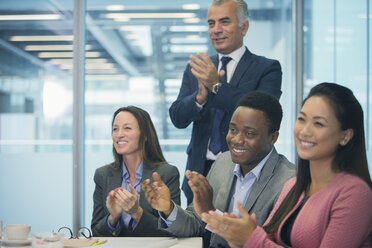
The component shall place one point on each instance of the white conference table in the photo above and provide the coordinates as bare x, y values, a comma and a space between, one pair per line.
152, 242
140, 242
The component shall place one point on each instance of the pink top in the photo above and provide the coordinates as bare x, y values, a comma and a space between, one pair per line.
339, 215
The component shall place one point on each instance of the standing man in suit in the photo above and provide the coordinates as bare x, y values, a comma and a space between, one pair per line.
251, 172
211, 86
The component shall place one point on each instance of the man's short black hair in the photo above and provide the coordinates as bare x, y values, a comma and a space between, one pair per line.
266, 103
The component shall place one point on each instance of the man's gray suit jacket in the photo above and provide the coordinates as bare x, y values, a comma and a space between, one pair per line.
265, 192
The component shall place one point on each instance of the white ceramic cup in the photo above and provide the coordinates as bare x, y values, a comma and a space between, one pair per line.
17, 231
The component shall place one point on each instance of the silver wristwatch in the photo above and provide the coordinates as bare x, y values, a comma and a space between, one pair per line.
216, 87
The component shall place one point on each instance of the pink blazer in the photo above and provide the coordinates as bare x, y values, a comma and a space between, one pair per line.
339, 215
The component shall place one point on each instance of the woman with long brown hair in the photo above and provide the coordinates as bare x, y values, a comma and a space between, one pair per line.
120, 207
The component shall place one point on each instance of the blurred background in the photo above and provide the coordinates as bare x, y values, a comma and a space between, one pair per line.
135, 54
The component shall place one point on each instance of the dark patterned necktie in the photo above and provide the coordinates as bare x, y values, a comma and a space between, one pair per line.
215, 141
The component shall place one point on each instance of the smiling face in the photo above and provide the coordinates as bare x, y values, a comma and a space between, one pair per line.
317, 131
224, 30
126, 134
248, 138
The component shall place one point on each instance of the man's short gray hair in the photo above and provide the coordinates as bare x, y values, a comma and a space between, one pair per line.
241, 11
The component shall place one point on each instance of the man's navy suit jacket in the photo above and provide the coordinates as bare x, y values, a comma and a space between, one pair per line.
253, 73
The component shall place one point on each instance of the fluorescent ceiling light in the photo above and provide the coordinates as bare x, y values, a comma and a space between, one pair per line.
99, 66
30, 17
60, 61
66, 54
69, 61
98, 71
191, 6
122, 19
52, 47
115, 7
92, 54
149, 15
189, 28
189, 39
42, 38
55, 55
101, 60
106, 77
191, 20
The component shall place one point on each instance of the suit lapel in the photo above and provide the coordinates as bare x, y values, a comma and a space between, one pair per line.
241, 68
115, 178
265, 176
146, 174
222, 199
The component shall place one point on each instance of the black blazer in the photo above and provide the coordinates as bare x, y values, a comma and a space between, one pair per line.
253, 73
107, 178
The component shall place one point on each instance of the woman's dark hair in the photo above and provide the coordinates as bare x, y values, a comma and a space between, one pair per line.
148, 140
350, 158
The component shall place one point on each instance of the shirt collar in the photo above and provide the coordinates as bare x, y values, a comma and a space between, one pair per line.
235, 55
256, 170
138, 172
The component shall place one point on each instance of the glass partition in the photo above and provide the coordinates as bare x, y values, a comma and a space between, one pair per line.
337, 49
35, 114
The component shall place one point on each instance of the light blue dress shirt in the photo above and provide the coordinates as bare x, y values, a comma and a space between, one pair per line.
244, 185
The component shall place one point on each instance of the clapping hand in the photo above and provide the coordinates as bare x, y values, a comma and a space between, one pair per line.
158, 194
119, 200
202, 190
204, 70
234, 230
113, 208
128, 201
